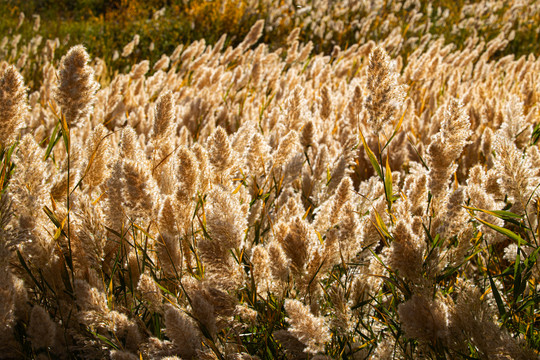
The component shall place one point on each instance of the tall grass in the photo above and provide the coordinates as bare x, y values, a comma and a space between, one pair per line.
379, 201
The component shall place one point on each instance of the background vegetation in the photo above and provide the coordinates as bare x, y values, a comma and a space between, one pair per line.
105, 26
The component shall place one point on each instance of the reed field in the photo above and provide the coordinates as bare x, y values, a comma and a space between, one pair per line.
272, 180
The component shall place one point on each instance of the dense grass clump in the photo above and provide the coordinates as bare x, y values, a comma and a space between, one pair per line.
273, 195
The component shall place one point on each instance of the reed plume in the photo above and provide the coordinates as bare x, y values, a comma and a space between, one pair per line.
13, 105
385, 95
308, 329
76, 88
